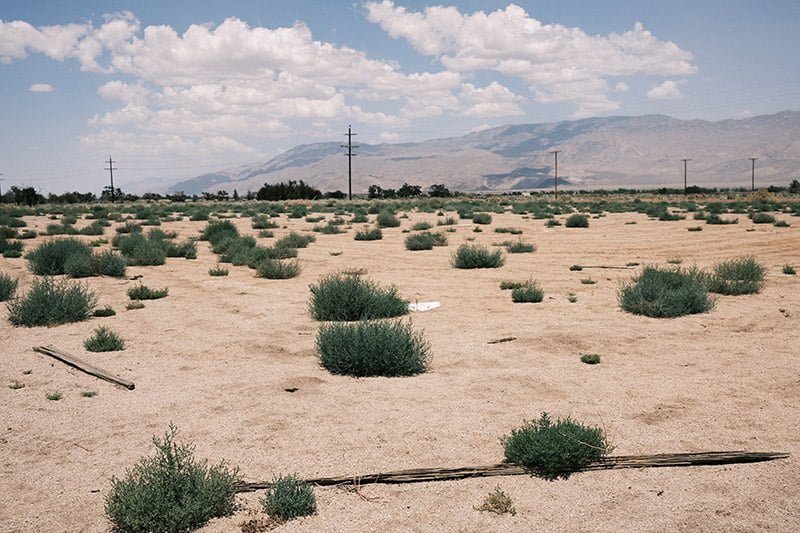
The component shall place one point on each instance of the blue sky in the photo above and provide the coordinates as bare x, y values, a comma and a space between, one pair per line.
178, 88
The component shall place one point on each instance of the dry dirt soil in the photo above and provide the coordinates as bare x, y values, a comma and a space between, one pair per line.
216, 356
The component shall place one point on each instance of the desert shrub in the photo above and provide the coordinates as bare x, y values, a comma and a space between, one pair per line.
129, 227
695, 228
142, 292
341, 296
50, 302
789, 270
481, 218
506, 285
528, 292
134, 305
328, 229
520, 247
170, 491
263, 222
666, 293
553, 449
715, 219
104, 340
498, 502
8, 286
763, 218
141, 250
298, 211
60, 229
278, 269
104, 312
294, 240
575, 268
27, 234
387, 219
476, 256
50, 258
512, 231
449, 221
577, 221
778, 224
95, 228
108, 264
373, 234
421, 241
216, 231
421, 226
590, 358
78, 266
372, 348
217, 271
288, 498
744, 275
237, 250
277, 251
588, 281
552, 222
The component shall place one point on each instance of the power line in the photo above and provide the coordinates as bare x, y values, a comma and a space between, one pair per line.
555, 178
753, 175
111, 170
684, 175
350, 156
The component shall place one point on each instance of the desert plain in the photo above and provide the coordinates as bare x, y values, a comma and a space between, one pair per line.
218, 356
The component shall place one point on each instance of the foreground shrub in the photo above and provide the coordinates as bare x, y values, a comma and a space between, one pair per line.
482, 218
104, 312
788, 269
51, 257
142, 292
666, 293
737, 276
294, 240
374, 234
8, 286
425, 240
763, 218
108, 264
171, 491
590, 358
476, 256
520, 247
289, 498
372, 348
715, 219
555, 449
104, 340
387, 219
347, 297
577, 221
50, 302
278, 269
218, 271
528, 292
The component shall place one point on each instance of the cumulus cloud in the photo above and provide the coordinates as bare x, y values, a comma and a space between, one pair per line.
669, 90
41, 88
558, 63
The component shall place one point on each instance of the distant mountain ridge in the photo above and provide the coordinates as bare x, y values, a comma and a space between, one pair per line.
606, 152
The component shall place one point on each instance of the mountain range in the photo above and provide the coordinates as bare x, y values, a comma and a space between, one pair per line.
606, 152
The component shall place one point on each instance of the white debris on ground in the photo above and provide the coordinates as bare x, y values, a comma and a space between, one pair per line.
419, 307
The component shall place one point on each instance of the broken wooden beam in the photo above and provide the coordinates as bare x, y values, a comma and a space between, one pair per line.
421, 475
504, 339
83, 366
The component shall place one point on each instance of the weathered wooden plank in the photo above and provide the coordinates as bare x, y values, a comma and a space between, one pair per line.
83, 366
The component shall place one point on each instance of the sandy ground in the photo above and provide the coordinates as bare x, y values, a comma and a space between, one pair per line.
215, 356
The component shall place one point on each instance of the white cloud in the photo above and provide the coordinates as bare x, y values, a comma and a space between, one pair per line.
558, 63
41, 88
669, 90
388, 136
494, 100
621, 87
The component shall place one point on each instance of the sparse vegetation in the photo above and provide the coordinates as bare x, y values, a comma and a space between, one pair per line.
104, 340
666, 293
372, 348
217, 271
54, 396
387, 219
528, 292
288, 498
372, 234
8, 286
51, 258
498, 502
88, 394
590, 358
481, 218
588, 281
577, 221
134, 305
278, 269
576, 268
170, 491
520, 247
762, 218
789, 270
50, 302
553, 449
744, 275
142, 292
341, 296
104, 312
572, 298
506, 285
476, 256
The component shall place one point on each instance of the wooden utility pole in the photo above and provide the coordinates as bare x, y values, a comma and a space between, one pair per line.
350, 155
1, 188
684, 175
555, 179
753, 174
111, 170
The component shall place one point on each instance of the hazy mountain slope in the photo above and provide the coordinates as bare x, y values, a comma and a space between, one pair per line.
643, 151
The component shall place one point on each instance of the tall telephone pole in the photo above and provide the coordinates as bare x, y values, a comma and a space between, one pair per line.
350, 155
1, 188
555, 178
684, 175
111, 170
753, 175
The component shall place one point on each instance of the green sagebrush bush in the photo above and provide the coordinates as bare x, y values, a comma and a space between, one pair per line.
341, 296
425, 240
577, 221
481, 218
743, 275
666, 293
170, 491
278, 269
553, 449
8, 286
372, 348
476, 256
528, 292
288, 498
50, 302
104, 340
387, 219
369, 234
142, 292
51, 258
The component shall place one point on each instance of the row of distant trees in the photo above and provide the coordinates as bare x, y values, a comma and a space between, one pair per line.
293, 190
